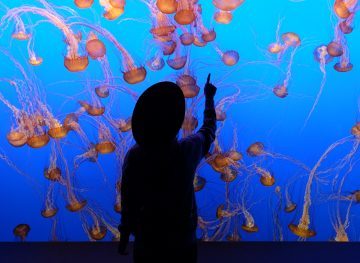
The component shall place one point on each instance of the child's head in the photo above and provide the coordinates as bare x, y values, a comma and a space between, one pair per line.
158, 114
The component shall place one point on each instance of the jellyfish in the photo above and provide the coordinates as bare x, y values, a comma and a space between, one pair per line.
290, 206
342, 8
346, 26
229, 58
322, 56
34, 60
227, 5
156, 63
178, 61
167, 6
83, 3
187, 38
20, 32
117, 205
22, 231
50, 209
223, 17
190, 123
92, 109
199, 182
168, 48
249, 225
95, 47
102, 91
344, 65
73, 60
266, 177
223, 105
112, 12
163, 28
185, 14
106, 142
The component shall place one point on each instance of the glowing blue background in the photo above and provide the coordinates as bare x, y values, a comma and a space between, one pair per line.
275, 122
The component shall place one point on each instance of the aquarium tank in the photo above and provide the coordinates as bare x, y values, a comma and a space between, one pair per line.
285, 163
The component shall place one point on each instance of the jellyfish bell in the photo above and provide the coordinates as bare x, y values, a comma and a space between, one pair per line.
355, 130
255, 149
184, 16
83, 3
177, 62
301, 231
220, 114
267, 179
280, 91
95, 48
58, 132
223, 17
53, 174
187, 39
290, 207
228, 174
117, 3
49, 212
75, 205
76, 63
335, 49
341, 9
20, 35
21, 231
190, 123
345, 27
163, 31
168, 48
38, 141
71, 121
291, 39
199, 43
275, 48
199, 183
105, 147
92, 109
227, 5
249, 228
35, 61
113, 13
234, 155
230, 57
102, 91
98, 232
16, 138
209, 36
187, 83
220, 211
134, 75
155, 63
167, 6
343, 67
125, 125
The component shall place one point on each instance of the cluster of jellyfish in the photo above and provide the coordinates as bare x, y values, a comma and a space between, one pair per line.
93, 130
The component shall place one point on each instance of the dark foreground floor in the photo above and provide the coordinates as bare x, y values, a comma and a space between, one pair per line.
262, 252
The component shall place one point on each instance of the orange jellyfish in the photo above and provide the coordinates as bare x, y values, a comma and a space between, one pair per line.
163, 28
118, 3
266, 177
83, 3
227, 5
344, 65
199, 183
50, 210
112, 12
16, 138
22, 231
156, 63
229, 58
102, 91
185, 14
188, 85
94, 110
168, 48
255, 149
167, 6
95, 47
178, 61
249, 222
223, 17
187, 38
19, 32
106, 142
341, 8
38, 140
346, 26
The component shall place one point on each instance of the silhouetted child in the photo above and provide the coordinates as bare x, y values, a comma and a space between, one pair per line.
157, 192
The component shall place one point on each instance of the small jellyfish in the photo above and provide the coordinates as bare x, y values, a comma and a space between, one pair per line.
185, 14
228, 174
156, 63
93, 110
50, 210
76, 63
230, 57
16, 138
106, 143
22, 231
187, 38
95, 47
168, 48
223, 17
38, 141
249, 225
35, 60
163, 28
266, 177
83, 3
346, 26
124, 125
111, 12
199, 183
208, 35
227, 5
344, 64
167, 6
58, 132
188, 85
255, 149
280, 91
102, 91
178, 62
355, 130
335, 49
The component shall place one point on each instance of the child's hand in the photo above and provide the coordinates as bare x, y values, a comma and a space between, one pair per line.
210, 89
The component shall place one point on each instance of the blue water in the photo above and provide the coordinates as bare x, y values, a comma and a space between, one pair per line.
257, 116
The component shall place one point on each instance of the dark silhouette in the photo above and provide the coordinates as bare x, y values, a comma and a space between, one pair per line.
157, 192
